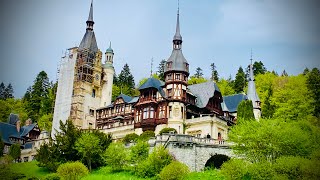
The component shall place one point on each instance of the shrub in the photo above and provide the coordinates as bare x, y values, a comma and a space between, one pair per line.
72, 170
116, 156
145, 136
139, 152
167, 130
15, 151
261, 170
174, 171
52, 176
133, 137
235, 169
152, 166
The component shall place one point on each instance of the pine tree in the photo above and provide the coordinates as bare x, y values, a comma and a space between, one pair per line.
198, 73
313, 84
2, 91
284, 73
125, 77
9, 91
306, 71
214, 73
161, 69
240, 81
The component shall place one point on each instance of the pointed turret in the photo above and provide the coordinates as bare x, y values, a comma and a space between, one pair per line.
252, 92
177, 62
109, 56
89, 39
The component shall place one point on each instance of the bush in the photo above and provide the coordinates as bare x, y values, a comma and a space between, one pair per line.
152, 166
52, 176
174, 171
116, 156
15, 151
72, 170
261, 170
139, 152
133, 137
235, 169
145, 136
167, 130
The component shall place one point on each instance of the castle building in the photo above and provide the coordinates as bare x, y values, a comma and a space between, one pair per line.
84, 83
85, 88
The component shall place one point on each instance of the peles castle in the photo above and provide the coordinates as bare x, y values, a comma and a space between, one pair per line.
85, 90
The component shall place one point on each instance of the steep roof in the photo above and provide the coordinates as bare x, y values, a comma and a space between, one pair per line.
233, 101
126, 98
179, 62
252, 92
203, 92
9, 130
153, 83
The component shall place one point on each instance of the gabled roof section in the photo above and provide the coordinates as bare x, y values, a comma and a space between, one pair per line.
179, 62
134, 100
252, 92
153, 83
233, 101
224, 107
125, 98
203, 92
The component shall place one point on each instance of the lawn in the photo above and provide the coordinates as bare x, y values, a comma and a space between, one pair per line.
29, 169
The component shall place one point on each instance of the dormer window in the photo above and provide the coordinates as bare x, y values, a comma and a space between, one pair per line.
169, 76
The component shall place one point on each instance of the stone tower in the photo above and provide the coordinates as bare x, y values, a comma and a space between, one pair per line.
84, 83
108, 73
176, 74
252, 93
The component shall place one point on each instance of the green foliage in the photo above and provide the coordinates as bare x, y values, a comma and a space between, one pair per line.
207, 174
52, 176
240, 81
146, 135
72, 170
125, 77
235, 169
214, 73
174, 171
161, 69
139, 152
245, 111
269, 139
291, 98
1, 146
259, 68
167, 130
198, 73
15, 151
132, 137
47, 158
313, 84
153, 165
15, 106
261, 170
6, 92
45, 122
29, 170
226, 87
88, 145
116, 156
195, 80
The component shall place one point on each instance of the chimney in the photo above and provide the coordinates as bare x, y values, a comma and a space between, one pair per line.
28, 122
18, 126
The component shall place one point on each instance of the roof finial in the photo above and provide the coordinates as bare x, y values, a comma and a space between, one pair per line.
251, 56
110, 45
151, 66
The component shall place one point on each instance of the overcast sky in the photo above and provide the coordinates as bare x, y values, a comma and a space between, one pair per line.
283, 34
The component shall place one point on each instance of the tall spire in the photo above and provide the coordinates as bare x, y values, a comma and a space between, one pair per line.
177, 36
90, 21
252, 92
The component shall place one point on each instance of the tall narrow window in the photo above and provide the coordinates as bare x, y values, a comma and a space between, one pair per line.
145, 113
151, 112
170, 111
177, 76
93, 93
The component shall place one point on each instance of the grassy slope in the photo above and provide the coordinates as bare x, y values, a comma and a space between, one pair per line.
29, 169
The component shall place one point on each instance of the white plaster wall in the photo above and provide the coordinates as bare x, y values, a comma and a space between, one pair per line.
176, 118
64, 91
120, 132
106, 93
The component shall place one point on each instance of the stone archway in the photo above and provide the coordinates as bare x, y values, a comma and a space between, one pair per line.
216, 161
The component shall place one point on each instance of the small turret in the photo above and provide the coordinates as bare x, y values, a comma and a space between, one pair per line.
109, 55
252, 93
